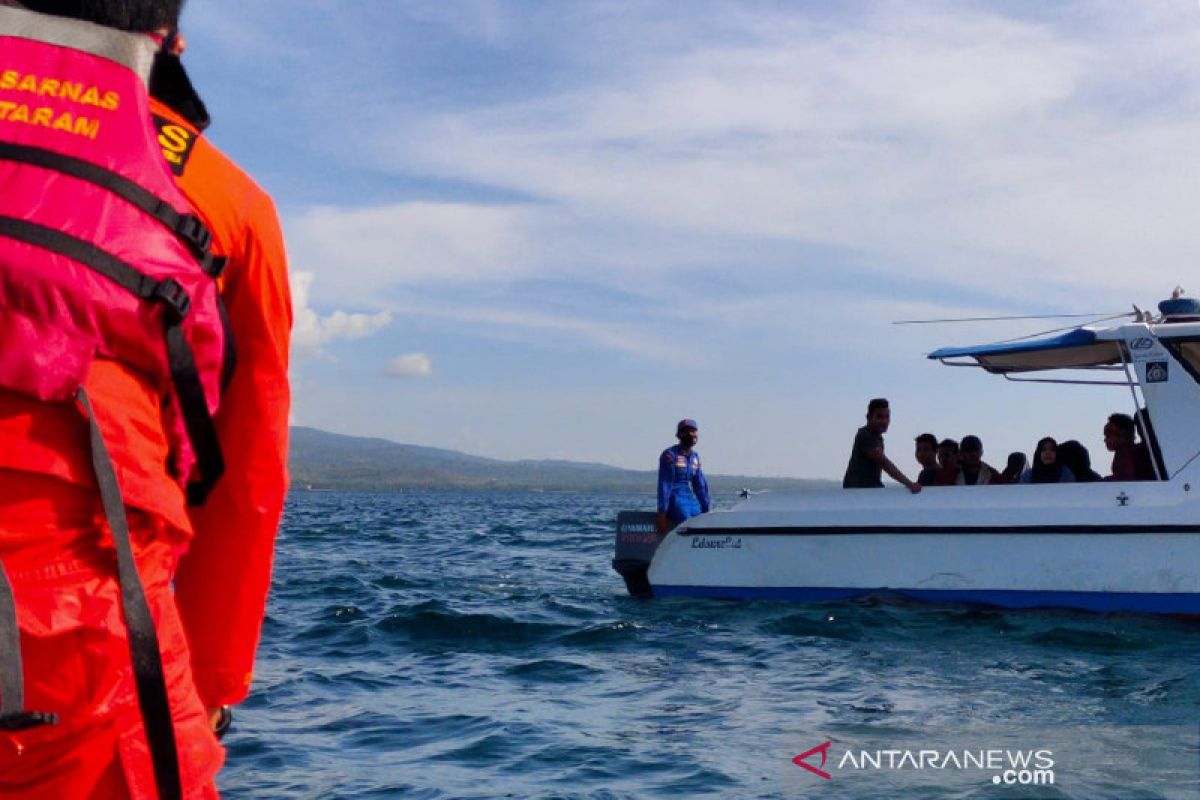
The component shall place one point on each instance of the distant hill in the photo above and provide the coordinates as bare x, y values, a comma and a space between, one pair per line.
323, 460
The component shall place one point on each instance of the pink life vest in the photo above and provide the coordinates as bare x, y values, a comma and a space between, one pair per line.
100, 254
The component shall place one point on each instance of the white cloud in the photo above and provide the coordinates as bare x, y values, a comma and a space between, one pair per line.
976, 149
485, 20
754, 186
1045, 160
311, 332
369, 249
410, 365
547, 329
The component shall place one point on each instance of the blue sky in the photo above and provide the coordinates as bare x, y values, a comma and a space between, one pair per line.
540, 229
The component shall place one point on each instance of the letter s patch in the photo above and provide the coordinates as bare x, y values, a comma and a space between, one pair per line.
176, 142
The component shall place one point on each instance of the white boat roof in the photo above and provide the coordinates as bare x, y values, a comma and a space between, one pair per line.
1076, 349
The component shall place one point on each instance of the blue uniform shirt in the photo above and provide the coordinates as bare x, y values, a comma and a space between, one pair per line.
682, 489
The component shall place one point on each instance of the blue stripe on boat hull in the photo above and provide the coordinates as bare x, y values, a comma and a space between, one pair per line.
1154, 603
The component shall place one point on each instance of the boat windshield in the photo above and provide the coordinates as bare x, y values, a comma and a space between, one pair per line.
1187, 351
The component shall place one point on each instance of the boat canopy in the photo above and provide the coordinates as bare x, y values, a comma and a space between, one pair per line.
1077, 349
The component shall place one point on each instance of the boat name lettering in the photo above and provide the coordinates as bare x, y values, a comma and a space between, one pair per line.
710, 543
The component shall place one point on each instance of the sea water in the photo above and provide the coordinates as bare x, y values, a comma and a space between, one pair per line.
478, 645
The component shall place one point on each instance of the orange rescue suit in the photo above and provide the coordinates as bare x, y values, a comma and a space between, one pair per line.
54, 545
221, 587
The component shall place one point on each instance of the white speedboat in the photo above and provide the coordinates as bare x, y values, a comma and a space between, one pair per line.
1106, 546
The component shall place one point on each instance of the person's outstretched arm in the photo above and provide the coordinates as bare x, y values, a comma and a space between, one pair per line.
222, 583
877, 455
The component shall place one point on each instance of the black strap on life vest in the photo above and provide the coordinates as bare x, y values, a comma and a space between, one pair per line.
180, 359
187, 227
202, 432
13, 716
143, 639
12, 682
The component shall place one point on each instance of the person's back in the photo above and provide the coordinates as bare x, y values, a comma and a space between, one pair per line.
1014, 467
49, 439
49, 512
1143, 463
223, 627
1075, 457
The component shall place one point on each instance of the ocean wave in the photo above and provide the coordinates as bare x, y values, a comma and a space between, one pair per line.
478, 645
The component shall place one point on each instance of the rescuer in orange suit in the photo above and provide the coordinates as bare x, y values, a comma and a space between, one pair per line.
53, 543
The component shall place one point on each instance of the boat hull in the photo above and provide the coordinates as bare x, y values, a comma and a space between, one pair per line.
1154, 569
1147, 603
1099, 546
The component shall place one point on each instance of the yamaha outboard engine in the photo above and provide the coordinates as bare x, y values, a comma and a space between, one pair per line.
637, 539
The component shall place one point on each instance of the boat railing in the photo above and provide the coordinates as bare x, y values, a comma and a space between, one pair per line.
1129, 379
1139, 405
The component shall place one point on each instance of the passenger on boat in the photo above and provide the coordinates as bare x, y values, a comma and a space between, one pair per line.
947, 456
1046, 468
682, 488
867, 459
1014, 468
1131, 462
972, 470
1075, 457
926, 455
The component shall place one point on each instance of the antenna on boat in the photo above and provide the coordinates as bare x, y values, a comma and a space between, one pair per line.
1005, 318
1135, 313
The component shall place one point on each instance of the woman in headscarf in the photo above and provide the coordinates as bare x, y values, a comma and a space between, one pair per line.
1016, 465
1046, 468
1075, 457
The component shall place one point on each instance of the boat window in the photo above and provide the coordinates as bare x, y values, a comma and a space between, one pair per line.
1188, 353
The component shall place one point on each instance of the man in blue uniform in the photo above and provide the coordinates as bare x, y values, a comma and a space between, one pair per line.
682, 489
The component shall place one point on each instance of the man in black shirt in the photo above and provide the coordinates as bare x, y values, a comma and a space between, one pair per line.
867, 460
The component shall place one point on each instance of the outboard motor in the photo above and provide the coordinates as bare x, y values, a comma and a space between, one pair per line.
637, 539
